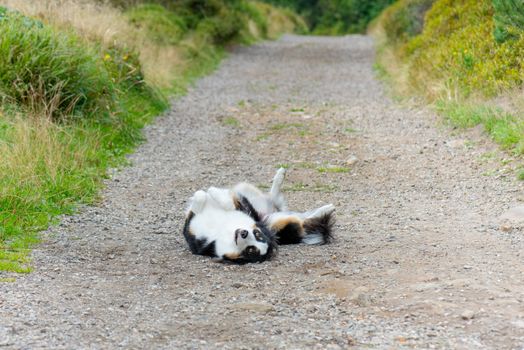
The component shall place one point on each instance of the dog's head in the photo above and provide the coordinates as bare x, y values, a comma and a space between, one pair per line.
254, 244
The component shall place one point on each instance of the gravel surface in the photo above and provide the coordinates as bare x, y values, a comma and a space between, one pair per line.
422, 257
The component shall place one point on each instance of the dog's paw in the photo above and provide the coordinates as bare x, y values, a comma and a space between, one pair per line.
222, 198
198, 202
278, 180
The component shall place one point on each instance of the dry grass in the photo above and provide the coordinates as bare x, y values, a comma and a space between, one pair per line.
107, 25
31, 144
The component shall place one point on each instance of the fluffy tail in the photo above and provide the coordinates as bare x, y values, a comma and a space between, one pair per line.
319, 229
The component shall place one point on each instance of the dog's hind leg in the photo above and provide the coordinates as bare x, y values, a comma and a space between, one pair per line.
275, 193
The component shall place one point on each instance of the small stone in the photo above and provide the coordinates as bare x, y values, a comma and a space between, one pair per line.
352, 160
237, 285
351, 341
467, 315
506, 228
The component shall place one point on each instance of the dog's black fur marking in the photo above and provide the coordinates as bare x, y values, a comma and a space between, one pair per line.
322, 225
289, 234
244, 205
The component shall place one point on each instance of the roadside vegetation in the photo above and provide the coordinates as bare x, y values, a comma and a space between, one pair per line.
78, 81
464, 56
336, 17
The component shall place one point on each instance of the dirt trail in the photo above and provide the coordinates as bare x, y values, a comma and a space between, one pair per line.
419, 260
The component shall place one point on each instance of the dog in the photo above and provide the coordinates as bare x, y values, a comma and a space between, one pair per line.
244, 224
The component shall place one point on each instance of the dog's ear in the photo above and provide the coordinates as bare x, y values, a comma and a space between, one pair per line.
245, 206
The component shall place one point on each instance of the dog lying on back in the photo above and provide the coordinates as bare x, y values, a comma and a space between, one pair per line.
244, 224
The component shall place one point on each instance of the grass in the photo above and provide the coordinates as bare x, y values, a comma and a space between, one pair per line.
231, 121
7, 280
47, 168
316, 187
333, 169
50, 72
301, 130
505, 129
326, 168
77, 86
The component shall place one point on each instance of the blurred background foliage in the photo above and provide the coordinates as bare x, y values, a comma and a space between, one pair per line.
336, 17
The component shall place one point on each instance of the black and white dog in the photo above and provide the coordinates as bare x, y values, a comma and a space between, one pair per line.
244, 224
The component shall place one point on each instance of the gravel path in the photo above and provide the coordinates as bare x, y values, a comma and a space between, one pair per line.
421, 258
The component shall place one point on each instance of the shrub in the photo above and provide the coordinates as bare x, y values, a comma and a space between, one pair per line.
456, 52
162, 26
509, 19
49, 71
336, 17
457, 46
404, 20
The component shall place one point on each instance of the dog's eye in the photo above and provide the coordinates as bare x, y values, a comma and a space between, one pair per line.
258, 235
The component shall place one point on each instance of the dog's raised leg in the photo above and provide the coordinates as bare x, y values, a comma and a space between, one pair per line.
275, 193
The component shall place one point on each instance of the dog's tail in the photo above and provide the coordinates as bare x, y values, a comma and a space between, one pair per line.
318, 229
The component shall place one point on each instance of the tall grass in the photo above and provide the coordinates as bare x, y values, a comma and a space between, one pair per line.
50, 72
109, 27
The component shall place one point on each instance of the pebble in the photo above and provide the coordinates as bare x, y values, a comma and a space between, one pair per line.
467, 315
352, 160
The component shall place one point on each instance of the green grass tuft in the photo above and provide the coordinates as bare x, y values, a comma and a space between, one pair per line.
333, 169
317, 187
7, 280
505, 129
231, 121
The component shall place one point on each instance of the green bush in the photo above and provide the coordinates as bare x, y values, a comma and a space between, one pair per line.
509, 19
455, 53
336, 17
163, 26
404, 20
48, 71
